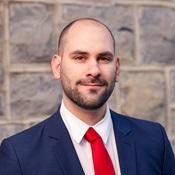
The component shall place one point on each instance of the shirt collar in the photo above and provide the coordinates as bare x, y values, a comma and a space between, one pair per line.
77, 128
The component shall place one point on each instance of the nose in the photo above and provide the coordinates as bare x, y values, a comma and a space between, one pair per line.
93, 68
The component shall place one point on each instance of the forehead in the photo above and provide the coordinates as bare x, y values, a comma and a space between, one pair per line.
88, 35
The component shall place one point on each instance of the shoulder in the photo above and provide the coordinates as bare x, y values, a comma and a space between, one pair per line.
135, 123
31, 135
143, 129
149, 138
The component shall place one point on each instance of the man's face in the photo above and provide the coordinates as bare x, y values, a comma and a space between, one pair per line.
88, 68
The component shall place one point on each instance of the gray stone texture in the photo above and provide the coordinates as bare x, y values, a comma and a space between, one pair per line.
1, 46
2, 104
121, 25
32, 36
1, 31
142, 95
157, 35
113, 101
172, 122
28, 35
173, 144
34, 95
88, 1
1, 76
172, 86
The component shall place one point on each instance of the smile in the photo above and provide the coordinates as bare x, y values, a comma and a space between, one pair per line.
93, 84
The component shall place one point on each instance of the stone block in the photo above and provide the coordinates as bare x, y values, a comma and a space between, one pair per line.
172, 123
2, 105
1, 76
34, 95
1, 45
142, 95
94, 2
32, 36
7, 130
157, 35
141, 0
122, 26
172, 86
1, 31
173, 145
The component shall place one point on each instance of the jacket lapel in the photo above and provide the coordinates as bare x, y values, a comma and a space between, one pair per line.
125, 144
65, 153
62, 147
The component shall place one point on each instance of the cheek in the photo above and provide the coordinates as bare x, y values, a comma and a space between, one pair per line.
73, 71
68, 76
109, 72
65, 68
69, 67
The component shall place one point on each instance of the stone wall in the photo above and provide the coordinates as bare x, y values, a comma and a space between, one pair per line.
145, 35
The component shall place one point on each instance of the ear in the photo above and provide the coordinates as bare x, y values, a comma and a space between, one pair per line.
117, 69
55, 65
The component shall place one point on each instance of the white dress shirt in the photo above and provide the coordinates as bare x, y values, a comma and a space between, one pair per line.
77, 129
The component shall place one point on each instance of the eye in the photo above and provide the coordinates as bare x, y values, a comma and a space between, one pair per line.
79, 58
105, 59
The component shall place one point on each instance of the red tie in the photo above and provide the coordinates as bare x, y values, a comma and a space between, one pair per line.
102, 162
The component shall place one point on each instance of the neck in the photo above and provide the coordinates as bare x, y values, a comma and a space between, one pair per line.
90, 117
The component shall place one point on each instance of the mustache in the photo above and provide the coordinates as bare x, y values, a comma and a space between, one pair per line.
97, 81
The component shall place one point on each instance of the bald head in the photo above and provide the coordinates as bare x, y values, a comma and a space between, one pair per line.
78, 24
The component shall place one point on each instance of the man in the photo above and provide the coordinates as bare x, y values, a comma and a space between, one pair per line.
84, 136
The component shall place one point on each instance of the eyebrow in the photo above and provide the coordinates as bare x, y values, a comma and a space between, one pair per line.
107, 53
79, 52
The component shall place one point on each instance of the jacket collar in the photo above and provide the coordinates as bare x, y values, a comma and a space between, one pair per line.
62, 146
125, 143
65, 153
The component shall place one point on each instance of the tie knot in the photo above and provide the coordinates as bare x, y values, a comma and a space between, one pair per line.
91, 135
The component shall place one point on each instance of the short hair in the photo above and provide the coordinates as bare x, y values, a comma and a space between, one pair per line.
68, 26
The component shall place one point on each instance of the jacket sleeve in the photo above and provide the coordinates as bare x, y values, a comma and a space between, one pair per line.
9, 164
169, 159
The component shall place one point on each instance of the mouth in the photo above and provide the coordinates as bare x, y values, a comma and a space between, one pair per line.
92, 84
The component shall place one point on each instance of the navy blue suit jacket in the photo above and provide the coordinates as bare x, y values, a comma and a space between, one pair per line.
46, 149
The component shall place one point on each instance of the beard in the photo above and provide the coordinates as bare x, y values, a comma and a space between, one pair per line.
81, 99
